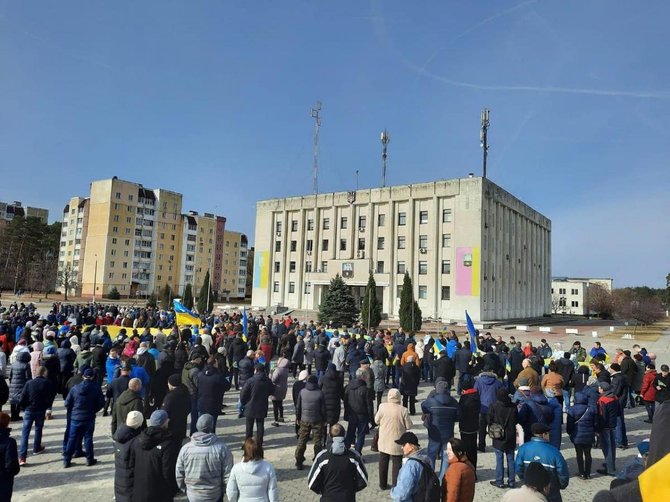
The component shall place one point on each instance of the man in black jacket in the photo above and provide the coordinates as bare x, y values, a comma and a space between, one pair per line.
443, 367
566, 369
124, 463
338, 472
254, 401
629, 370
177, 404
358, 410
461, 359
620, 391
310, 415
35, 400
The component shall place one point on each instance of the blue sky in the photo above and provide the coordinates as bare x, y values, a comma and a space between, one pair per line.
212, 98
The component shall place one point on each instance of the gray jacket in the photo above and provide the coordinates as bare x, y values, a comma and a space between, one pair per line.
253, 481
379, 372
311, 406
203, 467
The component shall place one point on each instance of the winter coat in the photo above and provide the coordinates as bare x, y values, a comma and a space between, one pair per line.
238, 349
523, 494
393, 420
504, 413
529, 374
211, 387
357, 401
608, 410
469, 406
556, 420
280, 379
4, 391
118, 386
155, 452
620, 389
661, 381
410, 375
52, 365
124, 463
442, 412
379, 370
37, 395
629, 370
9, 467
554, 382
298, 353
311, 405
203, 467
487, 384
581, 423
189, 377
110, 367
409, 476
177, 404
128, 401
444, 368
537, 450
36, 358
333, 391
337, 473
459, 481
409, 352
66, 357
253, 481
84, 401
648, 391
246, 370
321, 358
462, 358
309, 351
566, 369
19, 374
580, 378
255, 394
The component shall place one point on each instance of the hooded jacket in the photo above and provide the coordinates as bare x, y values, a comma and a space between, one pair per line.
337, 473
246, 370
128, 401
253, 481
38, 395
280, 379
580, 378
203, 467
19, 374
409, 379
487, 384
443, 411
357, 401
648, 391
66, 357
409, 476
84, 401
189, 377
177, 404
469, 406
333, 392
581, 422
311, 405
608, 411
124, 463
155, 453
393, 421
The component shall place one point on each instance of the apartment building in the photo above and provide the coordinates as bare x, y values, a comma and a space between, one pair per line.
73, 239
569, 295
467, 244
234, 269
16, 210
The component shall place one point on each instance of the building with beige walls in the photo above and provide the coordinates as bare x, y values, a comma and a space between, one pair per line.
235, 256
467, 244
73, 239
16, 210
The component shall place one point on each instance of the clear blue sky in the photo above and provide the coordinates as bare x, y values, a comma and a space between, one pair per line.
212, 98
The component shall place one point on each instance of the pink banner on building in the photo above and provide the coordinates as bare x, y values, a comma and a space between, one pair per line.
463, 272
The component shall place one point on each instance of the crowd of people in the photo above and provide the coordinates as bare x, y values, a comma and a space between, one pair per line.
163, 386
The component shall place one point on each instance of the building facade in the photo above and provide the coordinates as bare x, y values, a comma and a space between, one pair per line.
16, 210
234, 271
467, 244
73, 240
570, 295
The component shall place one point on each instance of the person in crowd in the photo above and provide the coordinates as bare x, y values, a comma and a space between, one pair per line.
212, 385
538, 449
566, 369
189, 377
310, 415
333, 391
358, 411
155, 457
648, 391
9, 467
254, 401
379, 370
410, 375
177, 405
393, 421
528, 373
469, 407
338, 472
204, 464
254, 478
598, 351
487, 385
409, 477
440, 413
298, 385
36, 398
581, 422
502, 419
535, 487
82, 403
280, 380
620, 391
458, 482
19, 374
128, 401
124, 463
606, 421
553, 382
661, 383
629, 371
51, 363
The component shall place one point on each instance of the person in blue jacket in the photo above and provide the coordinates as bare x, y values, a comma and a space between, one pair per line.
581, 427
441, 412
539, 450
556, 419
409, 476
597, 351
487, 384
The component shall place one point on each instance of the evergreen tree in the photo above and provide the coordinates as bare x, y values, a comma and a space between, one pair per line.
371, 310
338, 305
187, 297
410, 313
113, 294
206, 293
152, 300
166, 297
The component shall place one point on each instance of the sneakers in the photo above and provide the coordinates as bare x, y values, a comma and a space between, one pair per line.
495, 483
105, 413
39, 450
22, 461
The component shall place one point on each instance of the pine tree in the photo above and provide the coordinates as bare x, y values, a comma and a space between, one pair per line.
338, 305
206, 297
410, 313
187, 297
166, 297
371, 310
114, 294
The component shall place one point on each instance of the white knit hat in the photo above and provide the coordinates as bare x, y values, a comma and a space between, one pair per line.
134, 419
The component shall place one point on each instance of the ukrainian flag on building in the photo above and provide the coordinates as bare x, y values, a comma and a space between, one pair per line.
183, 316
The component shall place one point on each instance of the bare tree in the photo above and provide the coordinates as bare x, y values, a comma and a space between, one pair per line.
67, 279
600, 301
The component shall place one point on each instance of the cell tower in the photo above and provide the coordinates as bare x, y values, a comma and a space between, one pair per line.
385, 138
316, 115
483, 136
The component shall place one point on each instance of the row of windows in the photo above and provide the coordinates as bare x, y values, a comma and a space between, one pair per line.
563, 303
381, 243
380, 268
561, 291
445, 291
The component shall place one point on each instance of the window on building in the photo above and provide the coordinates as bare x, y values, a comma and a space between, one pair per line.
310, 224
343, 244
118, 195
575, 292
446, 240
446, 293
113, 240
561, 301
423, 267
111, 275
113, 252
398, 292
275, 286
291, 287
423, 241
308, 288
115, 230
380, 267
116, 217
362, 221
277, 227
446, 216
402, 219
308, 266
309, 246
111, 264
401, 267
294, 245
361, 244
324, 245
446, 266
277, 246
401, 242
552, 291
380, 243
294, 225
343, 222
326, 223
277, 265
381, 220
561, 291
575, 303
291, 266
423, 292
423, 217
324, 267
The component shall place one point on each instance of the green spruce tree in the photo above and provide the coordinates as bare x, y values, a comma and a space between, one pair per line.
206, 296
187, 297
166, 297
113, 294
371, 310
410, 313
338, 305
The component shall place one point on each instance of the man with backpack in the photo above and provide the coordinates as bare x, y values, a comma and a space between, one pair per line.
416, 480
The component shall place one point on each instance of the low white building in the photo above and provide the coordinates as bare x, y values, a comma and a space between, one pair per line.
467, 244
569, 295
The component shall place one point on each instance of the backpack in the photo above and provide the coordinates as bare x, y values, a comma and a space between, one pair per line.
429, 484
497, 431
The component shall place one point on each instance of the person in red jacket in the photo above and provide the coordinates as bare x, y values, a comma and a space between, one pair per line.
648, 391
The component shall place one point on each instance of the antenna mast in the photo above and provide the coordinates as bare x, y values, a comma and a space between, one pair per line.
385, 138
316, 115
483, 136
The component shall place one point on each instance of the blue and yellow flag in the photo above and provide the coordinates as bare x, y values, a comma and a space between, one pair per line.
183, 316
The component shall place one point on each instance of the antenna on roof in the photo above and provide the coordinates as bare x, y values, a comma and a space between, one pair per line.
316, 115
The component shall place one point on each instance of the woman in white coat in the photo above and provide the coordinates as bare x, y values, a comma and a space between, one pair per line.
253, 479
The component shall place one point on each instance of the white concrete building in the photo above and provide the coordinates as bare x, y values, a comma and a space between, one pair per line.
466, 243
569, 295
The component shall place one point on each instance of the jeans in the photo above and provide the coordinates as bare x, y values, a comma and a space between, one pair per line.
437, 450
631, 397
78, 430
607, 444
500, 466
650, 406
566, 400
583, 458
620, 431
260, 429
426, 372
384, 459
357, 428
30, 417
